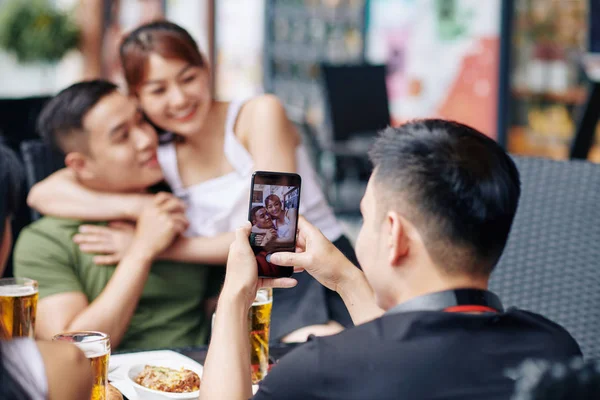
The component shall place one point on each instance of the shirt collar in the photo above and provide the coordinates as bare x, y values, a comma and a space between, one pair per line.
438, 301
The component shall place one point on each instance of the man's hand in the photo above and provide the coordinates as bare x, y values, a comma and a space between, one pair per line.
320, 258
159, 223
241, 277
317, 255
301, 335
270, 235
111, 241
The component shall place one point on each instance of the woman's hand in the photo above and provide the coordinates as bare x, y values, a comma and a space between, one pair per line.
111, 241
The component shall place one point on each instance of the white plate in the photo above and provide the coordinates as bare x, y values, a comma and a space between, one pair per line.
120, 364
145, 393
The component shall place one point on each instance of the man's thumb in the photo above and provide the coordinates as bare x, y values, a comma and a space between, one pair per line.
286, 259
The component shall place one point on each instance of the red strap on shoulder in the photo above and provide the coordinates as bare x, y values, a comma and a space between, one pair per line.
470, 309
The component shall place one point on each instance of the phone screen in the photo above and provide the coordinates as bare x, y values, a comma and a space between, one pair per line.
273, 213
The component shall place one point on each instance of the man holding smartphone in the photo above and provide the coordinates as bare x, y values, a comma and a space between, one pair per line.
437, 213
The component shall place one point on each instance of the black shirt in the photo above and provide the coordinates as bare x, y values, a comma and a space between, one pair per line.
419, 355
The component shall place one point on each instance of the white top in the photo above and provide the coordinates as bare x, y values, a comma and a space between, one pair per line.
284, 231
220, 205
24, 363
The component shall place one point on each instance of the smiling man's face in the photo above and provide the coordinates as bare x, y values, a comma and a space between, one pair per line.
262, 219
122, 145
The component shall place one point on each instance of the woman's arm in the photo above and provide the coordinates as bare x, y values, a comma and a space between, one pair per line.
269, 135
204, 250
60, 195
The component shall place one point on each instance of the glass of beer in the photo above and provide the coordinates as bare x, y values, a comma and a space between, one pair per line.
96, 347
259, 318
18, 304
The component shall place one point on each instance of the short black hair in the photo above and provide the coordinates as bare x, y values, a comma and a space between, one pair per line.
458, 185
11, 183
253, 212
61, 120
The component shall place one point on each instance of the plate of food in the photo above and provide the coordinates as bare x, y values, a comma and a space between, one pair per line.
165, 379
122, 365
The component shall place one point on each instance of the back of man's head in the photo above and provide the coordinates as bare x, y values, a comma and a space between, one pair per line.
61, 121
457, 186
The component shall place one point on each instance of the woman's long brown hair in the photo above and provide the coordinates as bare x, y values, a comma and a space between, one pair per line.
164, 38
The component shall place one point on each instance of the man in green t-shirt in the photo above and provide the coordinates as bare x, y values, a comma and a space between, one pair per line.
141, 303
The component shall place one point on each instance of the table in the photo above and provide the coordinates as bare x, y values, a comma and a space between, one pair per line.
198, 354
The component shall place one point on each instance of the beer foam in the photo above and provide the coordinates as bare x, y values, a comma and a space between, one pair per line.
95, 354
261, 299
17, 290
92, 350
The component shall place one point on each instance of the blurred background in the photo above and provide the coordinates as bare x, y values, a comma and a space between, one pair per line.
522, 71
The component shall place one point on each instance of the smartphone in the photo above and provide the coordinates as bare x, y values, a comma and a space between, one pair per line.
273, 213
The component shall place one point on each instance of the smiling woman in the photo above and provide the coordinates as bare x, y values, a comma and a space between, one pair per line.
208, 157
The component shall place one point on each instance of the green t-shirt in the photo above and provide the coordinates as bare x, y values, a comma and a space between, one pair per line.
169, 313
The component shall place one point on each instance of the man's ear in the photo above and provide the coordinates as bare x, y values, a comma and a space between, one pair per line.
398, 240
80, 164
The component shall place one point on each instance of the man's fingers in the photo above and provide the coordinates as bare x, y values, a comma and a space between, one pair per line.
93, 229
287, 258
106, 260
180, 227
284, 283
243, 232
305, 226
161, 197
297, 270
121, 225
164, 199
173, 205
181, 223
241, 244
101, 248
81, 238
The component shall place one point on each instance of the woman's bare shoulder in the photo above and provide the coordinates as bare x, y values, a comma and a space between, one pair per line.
259, 109
265, 116
264, 103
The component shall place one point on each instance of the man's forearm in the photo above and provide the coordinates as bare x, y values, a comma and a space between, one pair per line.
203, 250
111, 312
227, 371
358, 296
